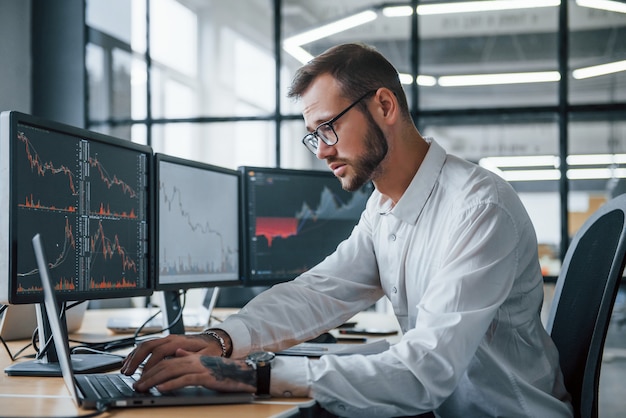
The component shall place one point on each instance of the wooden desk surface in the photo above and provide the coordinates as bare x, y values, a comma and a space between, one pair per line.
48, 396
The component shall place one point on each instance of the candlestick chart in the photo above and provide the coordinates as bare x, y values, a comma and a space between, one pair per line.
88, 201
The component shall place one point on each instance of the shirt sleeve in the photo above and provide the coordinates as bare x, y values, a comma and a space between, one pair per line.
290, 377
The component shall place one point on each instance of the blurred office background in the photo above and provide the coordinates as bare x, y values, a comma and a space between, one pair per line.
535, 92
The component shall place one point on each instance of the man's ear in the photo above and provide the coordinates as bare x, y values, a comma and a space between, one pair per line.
387, 107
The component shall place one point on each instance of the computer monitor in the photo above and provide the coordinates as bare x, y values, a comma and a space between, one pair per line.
198, 233
88, 195
293, 219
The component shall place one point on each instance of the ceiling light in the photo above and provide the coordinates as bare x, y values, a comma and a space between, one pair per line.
522, 161
298, 53
577, 171
595, 173
397, 11
574, 174
596, 159
531, 175
483, 6
504, 78
611, 6
422, 80
598, 70
330, 29
426, 80
405, 78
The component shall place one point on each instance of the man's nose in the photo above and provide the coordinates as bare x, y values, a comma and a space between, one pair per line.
324, 150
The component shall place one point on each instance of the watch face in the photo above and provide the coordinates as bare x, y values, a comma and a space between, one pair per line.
262, 356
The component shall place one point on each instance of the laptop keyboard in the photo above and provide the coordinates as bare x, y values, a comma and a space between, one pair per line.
117, 386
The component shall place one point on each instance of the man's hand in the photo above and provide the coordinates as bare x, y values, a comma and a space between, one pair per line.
161, 348
194, 369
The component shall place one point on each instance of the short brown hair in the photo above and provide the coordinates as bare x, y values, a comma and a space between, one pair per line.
357, 67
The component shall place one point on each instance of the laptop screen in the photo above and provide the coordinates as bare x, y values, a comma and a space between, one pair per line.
53, 313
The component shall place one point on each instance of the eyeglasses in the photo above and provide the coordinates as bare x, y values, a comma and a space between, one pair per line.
326, 132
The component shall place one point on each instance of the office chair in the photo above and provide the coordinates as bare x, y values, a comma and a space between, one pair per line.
583, 301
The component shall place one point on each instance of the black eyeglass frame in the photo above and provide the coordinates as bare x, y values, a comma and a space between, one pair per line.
311, 140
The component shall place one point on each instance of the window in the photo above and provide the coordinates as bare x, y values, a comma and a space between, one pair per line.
198, 80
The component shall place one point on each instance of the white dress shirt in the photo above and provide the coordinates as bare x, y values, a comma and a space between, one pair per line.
457, 257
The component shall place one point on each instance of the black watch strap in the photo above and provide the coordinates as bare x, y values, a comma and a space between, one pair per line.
262, 363
263, 374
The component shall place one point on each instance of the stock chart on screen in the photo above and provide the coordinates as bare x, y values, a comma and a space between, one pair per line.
293, 219
88, 199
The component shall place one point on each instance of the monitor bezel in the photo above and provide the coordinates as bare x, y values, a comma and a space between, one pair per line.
9, 121
158, 286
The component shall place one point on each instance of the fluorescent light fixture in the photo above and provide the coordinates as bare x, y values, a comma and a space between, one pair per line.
405, 78
576, 162
531, 175
397, 11
483, 6
292, 45
595, 173
611, 6
331, 28
495, 164
522, 161
598, 70
504, 78
298, 53
573, 174
422, 80
468, 6
596, 159
426, 80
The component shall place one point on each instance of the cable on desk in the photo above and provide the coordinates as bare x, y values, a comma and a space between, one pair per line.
179, 315
15, 356
125, 342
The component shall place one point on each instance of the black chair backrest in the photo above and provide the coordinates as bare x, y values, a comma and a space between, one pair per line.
583, 301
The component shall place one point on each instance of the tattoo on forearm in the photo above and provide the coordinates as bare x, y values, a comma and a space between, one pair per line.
225, 371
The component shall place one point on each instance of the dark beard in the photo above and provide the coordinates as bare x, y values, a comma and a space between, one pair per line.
366, 166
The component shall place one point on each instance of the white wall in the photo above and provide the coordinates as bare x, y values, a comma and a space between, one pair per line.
15, 55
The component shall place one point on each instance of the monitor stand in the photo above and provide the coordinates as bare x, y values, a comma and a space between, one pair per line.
173, 312
48, 365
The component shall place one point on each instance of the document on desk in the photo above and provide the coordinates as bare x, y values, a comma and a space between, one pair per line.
320, 349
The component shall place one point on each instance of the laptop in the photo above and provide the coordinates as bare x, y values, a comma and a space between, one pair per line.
102, 391
195, 319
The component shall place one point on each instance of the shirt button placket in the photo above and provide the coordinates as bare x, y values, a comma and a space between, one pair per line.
394, 290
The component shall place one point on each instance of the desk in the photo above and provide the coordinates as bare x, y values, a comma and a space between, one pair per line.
48, 396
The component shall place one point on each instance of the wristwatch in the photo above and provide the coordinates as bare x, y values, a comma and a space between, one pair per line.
261, 361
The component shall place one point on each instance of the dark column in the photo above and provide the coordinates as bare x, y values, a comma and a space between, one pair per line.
58, 61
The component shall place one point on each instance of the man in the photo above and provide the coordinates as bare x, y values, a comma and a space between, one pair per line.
447, 242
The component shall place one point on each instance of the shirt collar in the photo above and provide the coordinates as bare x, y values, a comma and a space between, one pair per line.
416, 195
